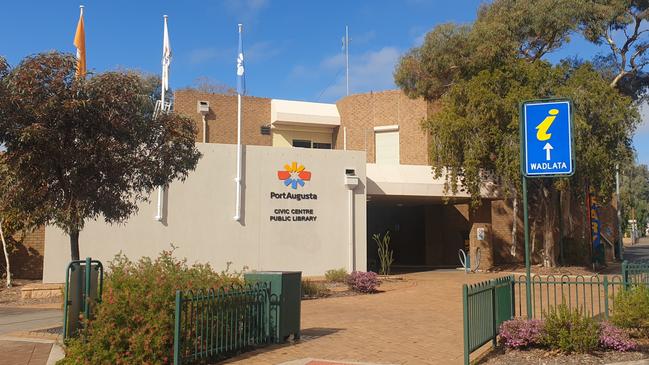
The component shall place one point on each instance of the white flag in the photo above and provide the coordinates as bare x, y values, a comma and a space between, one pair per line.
166, 57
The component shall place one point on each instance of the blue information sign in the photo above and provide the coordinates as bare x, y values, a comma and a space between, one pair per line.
547, 138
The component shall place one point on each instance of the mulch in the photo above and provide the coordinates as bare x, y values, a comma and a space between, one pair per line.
500, 355
613, 268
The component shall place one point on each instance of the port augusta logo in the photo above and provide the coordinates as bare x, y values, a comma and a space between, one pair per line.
294, 175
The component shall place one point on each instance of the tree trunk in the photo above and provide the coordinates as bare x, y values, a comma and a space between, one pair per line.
549, 226
4, 248
74, 244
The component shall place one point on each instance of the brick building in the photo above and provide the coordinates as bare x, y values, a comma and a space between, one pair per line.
428, 226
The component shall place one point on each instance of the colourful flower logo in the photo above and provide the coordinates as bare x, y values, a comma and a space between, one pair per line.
294, 175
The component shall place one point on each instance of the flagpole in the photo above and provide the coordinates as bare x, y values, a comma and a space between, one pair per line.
164, 81
347, 58
237, 216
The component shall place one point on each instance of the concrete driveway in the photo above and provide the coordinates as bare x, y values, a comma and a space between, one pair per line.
18, 319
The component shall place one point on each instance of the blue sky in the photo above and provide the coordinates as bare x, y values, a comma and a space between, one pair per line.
292, 48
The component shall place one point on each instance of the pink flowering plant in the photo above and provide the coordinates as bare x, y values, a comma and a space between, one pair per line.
615, 338
363, 282
521, 333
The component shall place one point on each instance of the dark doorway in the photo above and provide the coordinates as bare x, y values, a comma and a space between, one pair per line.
426, 234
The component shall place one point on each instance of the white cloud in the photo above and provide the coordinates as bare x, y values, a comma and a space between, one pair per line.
203, 55
261, 51
372, 70
246, 10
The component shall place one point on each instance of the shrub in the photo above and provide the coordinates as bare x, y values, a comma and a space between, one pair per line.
336, 276
134, 322
614, 338
519, 333
570, 330
632, 309
384, 251
363, 282
312, 289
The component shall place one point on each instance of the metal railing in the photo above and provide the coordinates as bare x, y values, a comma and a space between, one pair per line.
592, 295
212, 324
635, 272
486, 305
489, 303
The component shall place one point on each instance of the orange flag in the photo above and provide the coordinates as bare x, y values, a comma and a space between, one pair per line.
80, 43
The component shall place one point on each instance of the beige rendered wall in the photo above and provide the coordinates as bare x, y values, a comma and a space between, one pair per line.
199, 215
284, 137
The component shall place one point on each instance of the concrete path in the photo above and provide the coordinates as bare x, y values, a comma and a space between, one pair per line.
637, 252
420, 323
15, 319
24, 352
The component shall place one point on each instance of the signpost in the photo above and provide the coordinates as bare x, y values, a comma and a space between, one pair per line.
546, 151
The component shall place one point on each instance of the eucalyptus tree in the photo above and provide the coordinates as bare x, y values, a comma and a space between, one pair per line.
82, 148
477, 74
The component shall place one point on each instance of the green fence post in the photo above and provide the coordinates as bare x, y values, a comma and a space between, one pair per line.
177, 339
465, 310
86, 306
606, 297
512, 298
494, 309
528, 275
625, 274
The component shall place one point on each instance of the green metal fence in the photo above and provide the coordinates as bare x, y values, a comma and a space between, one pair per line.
593, 295
212, 324
635, 272
489, 303
486, 305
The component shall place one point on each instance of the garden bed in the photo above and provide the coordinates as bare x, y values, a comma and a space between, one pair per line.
11, 297
501, 355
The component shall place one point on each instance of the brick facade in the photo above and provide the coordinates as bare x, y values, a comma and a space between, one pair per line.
222, 118
362, 112
27, 258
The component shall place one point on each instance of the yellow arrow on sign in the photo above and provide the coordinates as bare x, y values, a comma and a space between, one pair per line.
542, 129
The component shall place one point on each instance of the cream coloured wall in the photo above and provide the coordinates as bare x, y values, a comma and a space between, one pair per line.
284, 137
199, 211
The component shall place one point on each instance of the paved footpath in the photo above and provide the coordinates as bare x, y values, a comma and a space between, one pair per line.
639, 251
420, 323
15, 322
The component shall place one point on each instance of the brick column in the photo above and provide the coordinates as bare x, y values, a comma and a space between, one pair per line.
480, 220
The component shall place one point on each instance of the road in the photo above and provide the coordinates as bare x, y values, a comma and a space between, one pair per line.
637, 252
14, 319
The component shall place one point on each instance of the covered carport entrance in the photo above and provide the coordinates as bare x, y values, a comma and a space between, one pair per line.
427, 225
425, 232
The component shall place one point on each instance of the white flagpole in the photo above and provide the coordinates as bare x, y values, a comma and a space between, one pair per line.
347, 58
165, 83
237, 215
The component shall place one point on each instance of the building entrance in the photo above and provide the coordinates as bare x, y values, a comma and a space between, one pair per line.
425, 233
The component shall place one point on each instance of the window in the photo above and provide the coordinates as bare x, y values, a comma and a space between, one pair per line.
387, 145
322, 146
302, 143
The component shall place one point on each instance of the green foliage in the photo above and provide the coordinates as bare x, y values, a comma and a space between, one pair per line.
83, 148
336, 275
134, 322
631, 309
634, 191
385, 252
312, 289
569, 330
